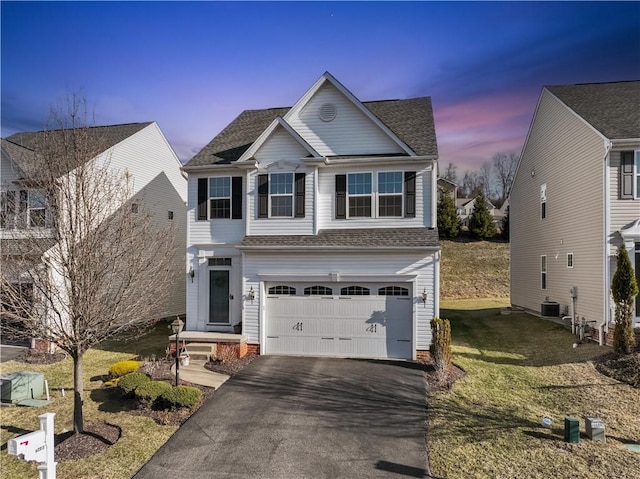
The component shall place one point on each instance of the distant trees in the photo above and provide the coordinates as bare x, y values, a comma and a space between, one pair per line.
448, 221
481, 222
505, 225
504, 170
624, 288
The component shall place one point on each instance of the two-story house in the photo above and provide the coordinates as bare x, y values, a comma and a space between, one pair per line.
576, 198
139, 150
314, 227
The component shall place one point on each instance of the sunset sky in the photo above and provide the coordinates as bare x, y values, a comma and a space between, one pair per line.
194, 66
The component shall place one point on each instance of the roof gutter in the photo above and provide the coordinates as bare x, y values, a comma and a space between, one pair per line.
623, 142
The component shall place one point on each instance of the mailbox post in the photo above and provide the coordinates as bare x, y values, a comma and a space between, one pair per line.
37, 446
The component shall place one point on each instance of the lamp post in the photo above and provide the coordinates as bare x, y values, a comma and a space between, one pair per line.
176, 327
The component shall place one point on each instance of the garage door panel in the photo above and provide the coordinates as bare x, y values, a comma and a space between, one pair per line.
355, 326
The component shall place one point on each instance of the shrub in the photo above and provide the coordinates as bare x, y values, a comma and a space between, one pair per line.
149, 391
123, 368
624, 288
481, 223
448, 221
180, 396
441, 345
131, 381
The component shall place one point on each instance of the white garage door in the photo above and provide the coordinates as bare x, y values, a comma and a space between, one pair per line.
365, 320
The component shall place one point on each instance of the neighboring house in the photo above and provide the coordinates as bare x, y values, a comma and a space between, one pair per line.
140, 149
314, 227
576, 198
447, 187
464, 208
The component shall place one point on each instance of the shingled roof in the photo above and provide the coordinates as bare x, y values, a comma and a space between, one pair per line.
611, 108
100, 137
411, 120
349, 238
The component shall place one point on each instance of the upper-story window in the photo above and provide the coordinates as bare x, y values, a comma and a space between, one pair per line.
629, 175
543, 201
359, 189
390, 188
381, 195
220, 197
25, 208
281, 194
637, 173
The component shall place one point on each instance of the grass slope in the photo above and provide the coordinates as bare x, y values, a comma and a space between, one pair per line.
474, 269
519, 369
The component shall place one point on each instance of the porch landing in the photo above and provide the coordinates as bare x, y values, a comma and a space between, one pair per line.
209, 337
209, 345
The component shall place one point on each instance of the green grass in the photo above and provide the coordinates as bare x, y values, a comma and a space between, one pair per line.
519, 369
141, 436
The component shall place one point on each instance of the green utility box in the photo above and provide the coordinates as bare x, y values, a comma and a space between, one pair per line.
571, 429
21, 386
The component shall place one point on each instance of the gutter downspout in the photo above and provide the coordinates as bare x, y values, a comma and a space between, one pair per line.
604, 325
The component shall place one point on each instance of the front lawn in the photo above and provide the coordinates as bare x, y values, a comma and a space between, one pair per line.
520, 369
141, 436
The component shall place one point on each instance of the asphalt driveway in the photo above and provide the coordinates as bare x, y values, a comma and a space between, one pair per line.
292, 417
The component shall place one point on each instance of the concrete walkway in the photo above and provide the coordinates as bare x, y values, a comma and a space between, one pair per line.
196, 373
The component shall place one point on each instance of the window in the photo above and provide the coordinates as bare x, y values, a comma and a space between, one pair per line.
281, 194
282, 290
390, 193
318, 291
569, 260
543, 271
637, 173
170, 215
36, 211
134, 207
359, 194
543, 201
354, 291
7, 209
393, 291
220, 197
219, 261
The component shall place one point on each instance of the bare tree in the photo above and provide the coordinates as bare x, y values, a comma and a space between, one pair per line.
450, 173
471, 184
504, 168
97, 265
485, 177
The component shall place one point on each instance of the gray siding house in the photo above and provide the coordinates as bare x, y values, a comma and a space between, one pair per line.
576, 198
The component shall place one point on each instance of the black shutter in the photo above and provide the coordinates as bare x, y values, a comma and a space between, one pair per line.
22, 209
263, 196
300, 179
341, 197
626, 175
203, 195
236, 197
410, 194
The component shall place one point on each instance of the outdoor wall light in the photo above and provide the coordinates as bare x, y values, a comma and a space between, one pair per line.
424, 297
192, 273
251, 295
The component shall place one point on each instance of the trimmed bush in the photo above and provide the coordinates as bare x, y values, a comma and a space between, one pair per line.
180, 396
441, 346
130, 382
148, 392
123, 368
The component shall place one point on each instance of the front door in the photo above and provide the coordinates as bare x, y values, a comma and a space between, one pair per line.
219, 297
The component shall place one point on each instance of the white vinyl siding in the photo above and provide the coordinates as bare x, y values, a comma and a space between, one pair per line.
622, 212
567, 155
347, 134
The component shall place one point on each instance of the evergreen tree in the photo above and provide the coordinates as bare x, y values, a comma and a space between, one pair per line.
481, 223
623, 288
448, 222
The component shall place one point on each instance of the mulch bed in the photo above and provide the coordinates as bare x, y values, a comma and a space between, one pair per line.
96, 438
35, 356
624, 368
229, 366
435, 382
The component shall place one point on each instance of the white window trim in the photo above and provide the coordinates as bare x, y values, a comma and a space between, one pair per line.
209, 197
570, 259
543, 201
376, 188
283, 195
636, 174
371, 195
30, 209
543, 271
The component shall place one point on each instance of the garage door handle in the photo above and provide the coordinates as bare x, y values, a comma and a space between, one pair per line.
328, 338
404, 340
344, 339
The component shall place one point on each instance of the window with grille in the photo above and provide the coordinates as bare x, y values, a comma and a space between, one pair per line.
393, 291
282, 290
354, 291
318, 291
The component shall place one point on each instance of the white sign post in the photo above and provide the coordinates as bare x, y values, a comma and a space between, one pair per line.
37, 446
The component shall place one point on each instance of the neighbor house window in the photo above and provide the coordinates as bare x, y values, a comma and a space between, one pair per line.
543, 201
543, 271
134, 207
220, 197
7, 209
569, 260
282, 290
354, 291
281, 194
170, 215
390, 193
36, 209
359, 190
637, 176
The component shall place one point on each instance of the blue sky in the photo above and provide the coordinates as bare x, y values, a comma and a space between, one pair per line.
194, 66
